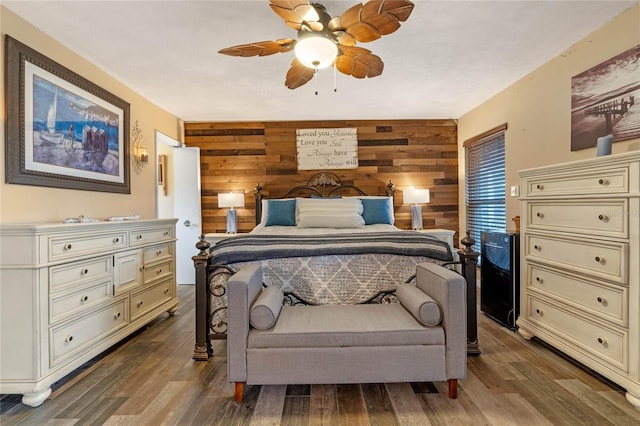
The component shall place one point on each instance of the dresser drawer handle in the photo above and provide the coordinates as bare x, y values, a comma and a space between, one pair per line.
166, 291
67, 247
603, 181
537, 247
602, 341
139, 237
540, 215
159, 252
68, 339
84, 298
166, 233
116, 316
602, 300
85, 271
599, 259
139, 303
540, 280
603, 217
116, 240
539, 312
539, 187
159, 271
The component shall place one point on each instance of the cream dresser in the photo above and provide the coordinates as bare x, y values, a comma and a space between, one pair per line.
580, 284
70, 291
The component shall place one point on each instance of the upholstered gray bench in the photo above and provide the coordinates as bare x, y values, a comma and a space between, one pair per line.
422, 338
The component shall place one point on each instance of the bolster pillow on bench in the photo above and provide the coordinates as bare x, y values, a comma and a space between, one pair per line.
420, 304
265, 310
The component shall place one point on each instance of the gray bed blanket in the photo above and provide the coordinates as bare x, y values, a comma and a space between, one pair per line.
259, 247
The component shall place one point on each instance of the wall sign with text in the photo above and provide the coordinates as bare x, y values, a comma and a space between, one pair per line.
320, 149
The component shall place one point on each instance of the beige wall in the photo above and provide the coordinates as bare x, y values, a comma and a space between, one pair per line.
537, 108
22, 203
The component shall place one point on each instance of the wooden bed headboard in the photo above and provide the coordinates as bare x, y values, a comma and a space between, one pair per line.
321, 184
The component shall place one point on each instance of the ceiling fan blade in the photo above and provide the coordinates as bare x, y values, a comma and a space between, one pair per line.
344, 38
298, 75
358, 62
295, 13
373, 19
260, 48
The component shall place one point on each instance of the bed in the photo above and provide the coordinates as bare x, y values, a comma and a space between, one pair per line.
325, 242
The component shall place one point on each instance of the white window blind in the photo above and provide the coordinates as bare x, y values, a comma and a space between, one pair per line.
485, 185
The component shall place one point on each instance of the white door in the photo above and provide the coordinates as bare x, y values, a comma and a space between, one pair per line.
187, 210
181, 199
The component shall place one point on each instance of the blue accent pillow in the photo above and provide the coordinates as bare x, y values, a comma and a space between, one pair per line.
377, 210
281, 213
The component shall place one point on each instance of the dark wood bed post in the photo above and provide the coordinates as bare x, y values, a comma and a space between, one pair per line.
469, 261
203, 349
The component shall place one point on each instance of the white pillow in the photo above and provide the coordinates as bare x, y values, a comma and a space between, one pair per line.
329, 213
331, 221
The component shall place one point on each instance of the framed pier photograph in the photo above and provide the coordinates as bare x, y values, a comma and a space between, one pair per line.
605, 100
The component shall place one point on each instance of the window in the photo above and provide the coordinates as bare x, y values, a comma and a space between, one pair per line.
485, 186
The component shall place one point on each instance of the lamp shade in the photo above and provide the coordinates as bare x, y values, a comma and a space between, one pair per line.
231, 199
415, 196
315, 51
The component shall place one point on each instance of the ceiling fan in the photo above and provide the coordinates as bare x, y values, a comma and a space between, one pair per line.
324, 41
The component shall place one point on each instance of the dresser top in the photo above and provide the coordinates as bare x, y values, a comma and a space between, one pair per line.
59, 227
595, 162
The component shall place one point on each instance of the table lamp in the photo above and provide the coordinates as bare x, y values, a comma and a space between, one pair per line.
416, 197
231, 200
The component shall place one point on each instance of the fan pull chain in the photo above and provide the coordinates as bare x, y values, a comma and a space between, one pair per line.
335, 79
316, 78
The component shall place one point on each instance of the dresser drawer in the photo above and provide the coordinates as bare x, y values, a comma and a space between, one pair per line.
158, 271
606, 301
607, 218
607, 344
152, 254
603, 259
70, 303
74, 337
606, 181
77, 273
149, 298
80, 245
150, 235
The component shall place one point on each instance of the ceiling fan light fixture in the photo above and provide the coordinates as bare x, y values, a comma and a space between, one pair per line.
316, 51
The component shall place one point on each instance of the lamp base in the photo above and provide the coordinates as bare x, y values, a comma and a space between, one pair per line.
232, 221
416, 217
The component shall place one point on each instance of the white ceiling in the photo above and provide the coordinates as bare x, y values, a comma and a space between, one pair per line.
446, 59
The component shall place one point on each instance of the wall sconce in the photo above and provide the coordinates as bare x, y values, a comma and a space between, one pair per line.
416, 197
140, 153
231, 200
143, 156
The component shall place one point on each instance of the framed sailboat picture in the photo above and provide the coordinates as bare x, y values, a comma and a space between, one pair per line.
63, 131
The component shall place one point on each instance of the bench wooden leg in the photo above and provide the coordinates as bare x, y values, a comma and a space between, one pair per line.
453, 388
239, 391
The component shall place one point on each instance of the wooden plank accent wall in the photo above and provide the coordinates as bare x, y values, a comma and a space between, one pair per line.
419, 153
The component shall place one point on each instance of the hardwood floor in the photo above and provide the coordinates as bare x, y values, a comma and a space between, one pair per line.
150, 379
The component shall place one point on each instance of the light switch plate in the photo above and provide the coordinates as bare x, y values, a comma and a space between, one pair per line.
515, 191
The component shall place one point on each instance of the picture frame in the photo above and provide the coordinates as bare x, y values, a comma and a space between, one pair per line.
602, 96
62, 130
